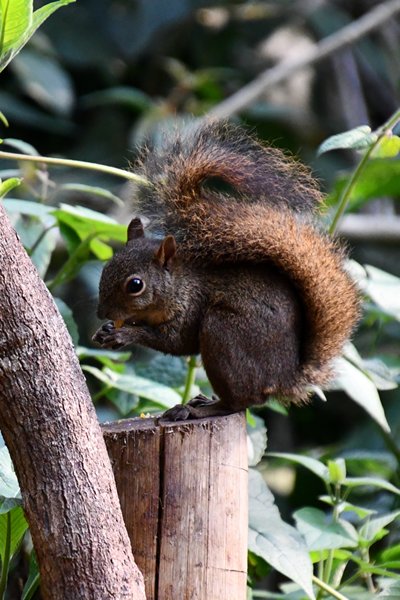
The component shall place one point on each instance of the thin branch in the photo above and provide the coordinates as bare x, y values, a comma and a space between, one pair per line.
327, 588
345, 196
346, 36
76, 164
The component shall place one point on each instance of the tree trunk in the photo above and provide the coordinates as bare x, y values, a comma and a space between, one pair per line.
183, 492
50, 427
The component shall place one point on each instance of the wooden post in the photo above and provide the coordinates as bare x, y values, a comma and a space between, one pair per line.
183, 492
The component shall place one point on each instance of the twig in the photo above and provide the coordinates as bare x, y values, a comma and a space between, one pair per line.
329, 45
327, 588
385, 129
77, 164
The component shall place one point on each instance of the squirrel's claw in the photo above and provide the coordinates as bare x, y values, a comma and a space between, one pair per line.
107, 336
198, 407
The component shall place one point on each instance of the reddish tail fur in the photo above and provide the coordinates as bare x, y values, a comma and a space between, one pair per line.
263, 219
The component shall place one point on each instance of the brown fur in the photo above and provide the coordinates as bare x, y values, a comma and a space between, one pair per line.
252, 284
260, 223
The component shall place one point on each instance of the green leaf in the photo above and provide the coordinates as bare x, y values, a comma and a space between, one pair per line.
74, 263
43, 248
20, 29
276, 406
3, 117
381, 177
27, 207
313, 465
126, 96
38, 235
256, 440
383, 376
356, 592
390, 554
388, 147
93, 190
10, 495
23, 147
357, 139
86, 222
321, 533
372, 527
18, 528
274, 540
338, 554
100, 355
337, 470
384, 289
32, 583
25, 113
391, 591
169, 370
124, 402
360, 511
353, 482
16, 17
8, 185
43, 79
69, 320
361, 389
151, 390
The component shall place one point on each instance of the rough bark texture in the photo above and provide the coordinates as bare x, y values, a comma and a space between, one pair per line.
50, 427
183, 492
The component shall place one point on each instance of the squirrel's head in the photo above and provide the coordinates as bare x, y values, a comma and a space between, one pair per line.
136, 282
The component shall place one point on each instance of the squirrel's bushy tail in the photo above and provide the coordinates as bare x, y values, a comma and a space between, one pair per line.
206, 155
258, 226
311, 260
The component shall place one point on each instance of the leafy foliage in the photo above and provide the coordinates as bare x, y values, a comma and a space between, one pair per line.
350, 533
18, 23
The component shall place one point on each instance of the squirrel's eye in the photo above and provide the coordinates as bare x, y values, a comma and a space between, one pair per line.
134, 285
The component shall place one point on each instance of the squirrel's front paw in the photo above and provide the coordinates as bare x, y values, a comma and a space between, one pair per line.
108, 336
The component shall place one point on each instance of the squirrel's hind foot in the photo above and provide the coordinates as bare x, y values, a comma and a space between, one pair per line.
198, 407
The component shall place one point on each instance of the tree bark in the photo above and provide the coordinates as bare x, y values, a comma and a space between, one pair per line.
183, 491
50, 427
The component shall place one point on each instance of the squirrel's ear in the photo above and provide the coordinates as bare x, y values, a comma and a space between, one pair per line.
135, 229
166, 252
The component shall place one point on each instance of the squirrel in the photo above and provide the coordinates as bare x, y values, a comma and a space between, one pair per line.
241, 274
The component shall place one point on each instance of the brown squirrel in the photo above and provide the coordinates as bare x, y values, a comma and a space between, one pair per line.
242, 275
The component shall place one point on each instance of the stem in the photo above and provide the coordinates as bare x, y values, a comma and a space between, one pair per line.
321, 566
345, 197
101, 393
328, 567
368, 576
75, 259
326, 47
336, 495
190, 377
39, 239
327, 588
6, 562
76, 164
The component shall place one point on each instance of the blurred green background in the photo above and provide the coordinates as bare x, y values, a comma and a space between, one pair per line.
101, 77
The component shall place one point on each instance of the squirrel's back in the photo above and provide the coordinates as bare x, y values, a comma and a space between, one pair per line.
228, 199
